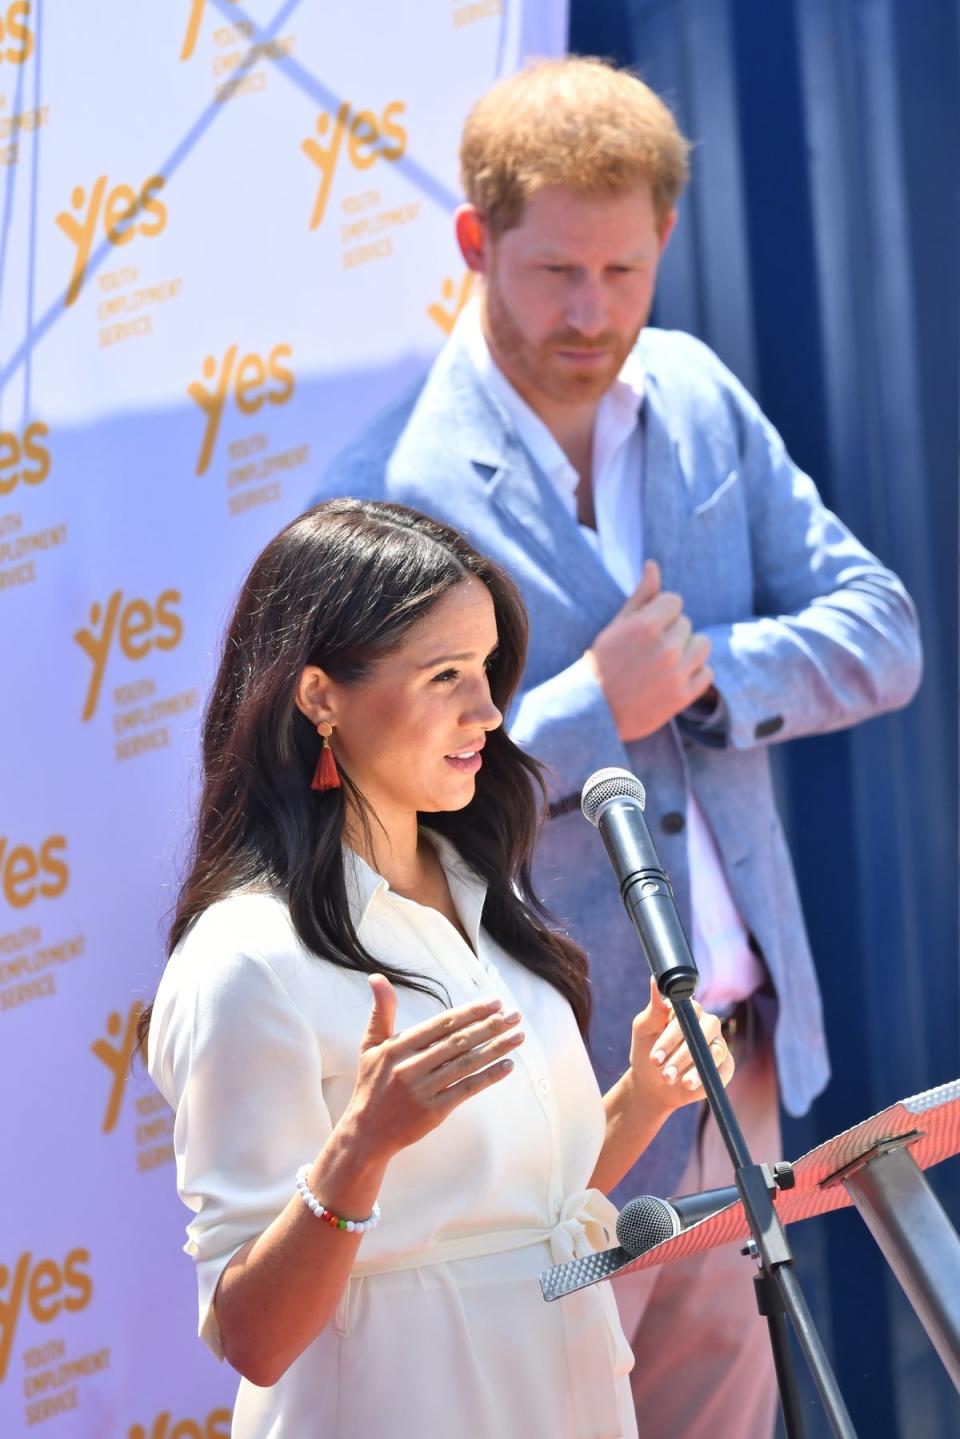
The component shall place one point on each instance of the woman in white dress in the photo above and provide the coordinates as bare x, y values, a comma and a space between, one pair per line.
366, 1006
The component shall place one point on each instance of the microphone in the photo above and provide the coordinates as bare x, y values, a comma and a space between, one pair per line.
613, 800
646, 1220
641, 1224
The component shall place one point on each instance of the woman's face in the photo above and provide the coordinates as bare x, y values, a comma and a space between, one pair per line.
410, 734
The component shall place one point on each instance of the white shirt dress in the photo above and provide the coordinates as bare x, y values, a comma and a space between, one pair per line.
442, 1332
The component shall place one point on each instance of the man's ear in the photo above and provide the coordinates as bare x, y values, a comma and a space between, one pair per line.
314, 695
473, 238
666, 230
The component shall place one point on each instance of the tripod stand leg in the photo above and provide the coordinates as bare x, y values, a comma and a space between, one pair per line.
771, 1306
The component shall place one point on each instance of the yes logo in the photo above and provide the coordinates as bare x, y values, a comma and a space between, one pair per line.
446, 315
193, 27
364, 133
118, 209
118, 1058
249, 379
26, 872
16, 37
47, 1287
14, 451
140, 627
215, 1426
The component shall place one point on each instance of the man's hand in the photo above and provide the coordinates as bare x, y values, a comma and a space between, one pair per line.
648, 661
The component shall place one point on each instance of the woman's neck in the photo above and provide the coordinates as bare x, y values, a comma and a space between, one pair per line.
398, 851
410, 865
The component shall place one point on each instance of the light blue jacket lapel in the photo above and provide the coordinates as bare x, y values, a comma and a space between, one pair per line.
527, 503
525, 500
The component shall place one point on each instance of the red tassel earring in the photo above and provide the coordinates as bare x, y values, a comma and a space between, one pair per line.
326, 775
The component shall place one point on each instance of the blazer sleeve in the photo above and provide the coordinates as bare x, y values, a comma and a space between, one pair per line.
833, 639
566, 723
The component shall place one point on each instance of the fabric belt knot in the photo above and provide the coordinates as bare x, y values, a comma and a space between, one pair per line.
587, 1222
591, 1321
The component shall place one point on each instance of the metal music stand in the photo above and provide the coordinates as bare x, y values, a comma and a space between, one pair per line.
877, 1166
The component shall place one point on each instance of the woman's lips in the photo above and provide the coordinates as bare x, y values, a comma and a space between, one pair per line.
464, 762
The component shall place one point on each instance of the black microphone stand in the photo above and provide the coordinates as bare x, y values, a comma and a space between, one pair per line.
778, 1291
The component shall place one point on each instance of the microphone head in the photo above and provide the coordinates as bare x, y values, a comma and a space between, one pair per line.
645, 1221
605, 785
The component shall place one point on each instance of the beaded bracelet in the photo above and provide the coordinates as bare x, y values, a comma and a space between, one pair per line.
352, 1226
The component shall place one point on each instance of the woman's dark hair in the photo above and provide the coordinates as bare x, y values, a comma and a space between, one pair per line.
339, 588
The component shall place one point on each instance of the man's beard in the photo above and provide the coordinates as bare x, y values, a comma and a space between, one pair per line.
536, 367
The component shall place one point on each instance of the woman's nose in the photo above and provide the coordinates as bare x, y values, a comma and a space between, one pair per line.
484, 713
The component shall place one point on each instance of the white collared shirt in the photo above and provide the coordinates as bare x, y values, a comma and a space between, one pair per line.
617, 454
729, 970
255, 1043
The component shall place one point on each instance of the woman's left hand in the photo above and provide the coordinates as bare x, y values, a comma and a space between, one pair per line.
660, 1063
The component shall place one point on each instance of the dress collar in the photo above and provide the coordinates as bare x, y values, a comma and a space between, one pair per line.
468, 891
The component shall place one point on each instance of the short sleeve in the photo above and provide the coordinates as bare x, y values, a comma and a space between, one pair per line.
242, 1068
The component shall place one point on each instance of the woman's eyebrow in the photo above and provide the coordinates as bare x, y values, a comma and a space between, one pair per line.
446, 659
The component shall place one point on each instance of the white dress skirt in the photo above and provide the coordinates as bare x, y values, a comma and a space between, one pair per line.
442, 1332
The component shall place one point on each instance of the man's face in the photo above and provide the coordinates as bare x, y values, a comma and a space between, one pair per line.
569, 289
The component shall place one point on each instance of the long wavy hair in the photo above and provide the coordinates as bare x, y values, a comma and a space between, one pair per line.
339, 588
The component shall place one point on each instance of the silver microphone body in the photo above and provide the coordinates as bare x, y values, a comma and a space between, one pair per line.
646, 1221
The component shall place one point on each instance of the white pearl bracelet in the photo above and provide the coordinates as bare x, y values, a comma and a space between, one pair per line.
352, 1226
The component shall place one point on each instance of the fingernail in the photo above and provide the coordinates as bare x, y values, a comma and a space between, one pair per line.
691, 1080
506, 1065
670, 1074
658, 1056
493, 1002
512, 1018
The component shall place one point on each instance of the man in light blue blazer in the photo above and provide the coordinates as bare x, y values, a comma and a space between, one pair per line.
691, 601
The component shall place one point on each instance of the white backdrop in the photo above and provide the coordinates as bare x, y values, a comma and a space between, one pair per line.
224, 242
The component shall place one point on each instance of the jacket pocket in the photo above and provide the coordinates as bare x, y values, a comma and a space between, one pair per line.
723, 491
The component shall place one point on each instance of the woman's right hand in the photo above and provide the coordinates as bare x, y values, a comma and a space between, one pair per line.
408, 1083
282, 1287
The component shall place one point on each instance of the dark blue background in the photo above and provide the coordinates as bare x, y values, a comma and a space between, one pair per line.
817, 253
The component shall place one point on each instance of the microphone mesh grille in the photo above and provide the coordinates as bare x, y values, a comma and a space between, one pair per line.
607, 784
644, 1222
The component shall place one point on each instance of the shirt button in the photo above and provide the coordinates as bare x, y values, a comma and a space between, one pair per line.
673, 822
544, 1086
